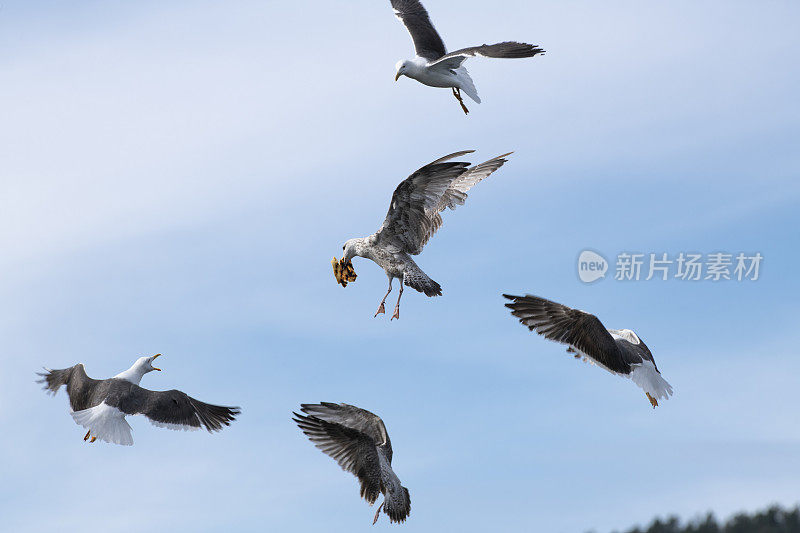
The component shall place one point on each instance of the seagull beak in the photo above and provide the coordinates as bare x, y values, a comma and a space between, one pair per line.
397, 76
153, 359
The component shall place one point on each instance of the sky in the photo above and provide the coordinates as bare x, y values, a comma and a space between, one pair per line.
176, 177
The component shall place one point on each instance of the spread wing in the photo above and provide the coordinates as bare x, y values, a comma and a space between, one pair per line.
352, 417
171, 409
427, 42
79, 385
354, 450
414, 212
634, 354
507, 50
575, 328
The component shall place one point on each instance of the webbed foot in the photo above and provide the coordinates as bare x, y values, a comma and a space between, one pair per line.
653, 401
377, 513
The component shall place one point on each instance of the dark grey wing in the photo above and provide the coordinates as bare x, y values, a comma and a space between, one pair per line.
352, 417
456, 193
353, 450
634, 354
414, 213
507, 50
79, 385
451, 156
409, 225
172, 409
409, 221
569, 326
53, 379
427, 42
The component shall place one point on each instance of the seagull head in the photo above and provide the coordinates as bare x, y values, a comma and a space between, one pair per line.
142, 366
401, 69
349, 249
146, 363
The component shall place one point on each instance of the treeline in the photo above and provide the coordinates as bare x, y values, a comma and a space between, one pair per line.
773, 520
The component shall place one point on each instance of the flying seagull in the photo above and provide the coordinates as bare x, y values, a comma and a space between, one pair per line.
620, 351
358, 441
101, 405
413, 218
433, 66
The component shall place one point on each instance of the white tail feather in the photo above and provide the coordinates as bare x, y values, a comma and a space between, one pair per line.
467, 85
106, 423
647, 377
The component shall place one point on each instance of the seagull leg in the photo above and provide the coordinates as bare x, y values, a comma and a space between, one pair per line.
457, 94
378, 512
381, 308
397, 305
87, 435
653, 401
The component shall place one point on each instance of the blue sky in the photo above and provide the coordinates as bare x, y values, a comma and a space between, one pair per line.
176, 177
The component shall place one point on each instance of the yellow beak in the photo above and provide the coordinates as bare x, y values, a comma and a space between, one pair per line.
154, 358
397, 76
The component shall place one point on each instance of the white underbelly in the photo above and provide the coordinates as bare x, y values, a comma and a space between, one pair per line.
438, 79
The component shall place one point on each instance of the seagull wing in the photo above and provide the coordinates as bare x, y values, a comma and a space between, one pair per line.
456, 193
427, 42
352, 417
79, 385
635, 353
171, 409
580, 330
508, 50
354, 450
414, 212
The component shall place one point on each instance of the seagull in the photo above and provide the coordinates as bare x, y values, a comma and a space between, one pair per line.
102, 405
433, 66
414, 217
358, 440
620, 351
